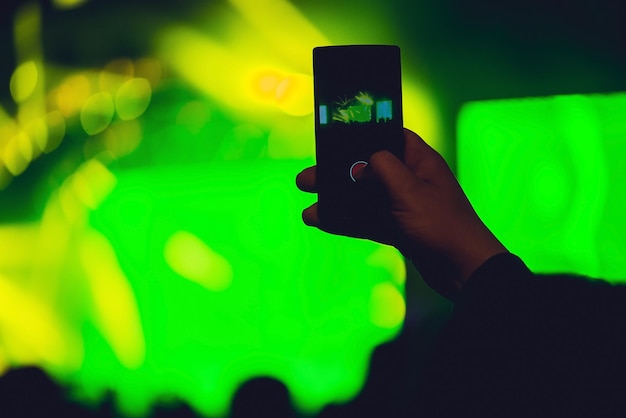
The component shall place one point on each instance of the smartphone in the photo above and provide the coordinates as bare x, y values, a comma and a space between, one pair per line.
358, 111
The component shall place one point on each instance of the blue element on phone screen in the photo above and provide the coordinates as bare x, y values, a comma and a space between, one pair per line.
383, 111
323, 115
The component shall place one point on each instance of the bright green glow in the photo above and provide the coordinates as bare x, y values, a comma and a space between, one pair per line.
548, 176
230, 285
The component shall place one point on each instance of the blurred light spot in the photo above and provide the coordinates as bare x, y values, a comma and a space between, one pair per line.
292, 138
23, 81
265, 83
115, 73
150, 69
55, 124
27, 31
216, 70
68, 4
72, 210
97, 113
92, 182
31, 332
14, 159
123, 138
387, 306
119, 322
25, 146
191, 258
279, 21
294, 95
37, 134
72, 94
133, 98
422, 115
4, 363
193, 115
5, 176
388, 258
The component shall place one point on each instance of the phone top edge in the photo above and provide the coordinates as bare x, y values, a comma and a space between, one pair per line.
356, 46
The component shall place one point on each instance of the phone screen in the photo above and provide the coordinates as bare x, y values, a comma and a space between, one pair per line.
358, 111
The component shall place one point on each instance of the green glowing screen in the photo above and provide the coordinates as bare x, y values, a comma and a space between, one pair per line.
548, 175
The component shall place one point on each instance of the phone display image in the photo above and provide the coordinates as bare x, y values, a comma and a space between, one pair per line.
358, 111
362, 108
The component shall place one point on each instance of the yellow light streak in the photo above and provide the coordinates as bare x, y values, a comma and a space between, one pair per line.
285, 28
421, 114
115, 309
31, 331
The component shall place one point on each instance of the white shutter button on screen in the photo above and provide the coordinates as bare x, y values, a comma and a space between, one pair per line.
356, 168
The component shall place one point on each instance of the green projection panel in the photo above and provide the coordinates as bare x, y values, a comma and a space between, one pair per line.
231, 285
548, 175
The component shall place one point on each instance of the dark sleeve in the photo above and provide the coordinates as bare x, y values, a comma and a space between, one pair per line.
520, 344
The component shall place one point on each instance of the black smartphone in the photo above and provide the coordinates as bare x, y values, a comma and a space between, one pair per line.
358, 111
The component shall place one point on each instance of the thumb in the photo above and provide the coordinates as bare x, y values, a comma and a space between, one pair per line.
395, 177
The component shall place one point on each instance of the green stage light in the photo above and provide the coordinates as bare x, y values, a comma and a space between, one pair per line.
230, 285
548, 175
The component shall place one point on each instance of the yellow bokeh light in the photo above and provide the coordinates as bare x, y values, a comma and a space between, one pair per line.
24, 81
97, 113
387, 306
32, 333
294, 95
72, 94
5, 176
14, 159
150, 69
68, 4
192, 259
92, 182
132, 98
123, 137
55, 129
265, 83
115, 73
389, 259
25, 144
279, 21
